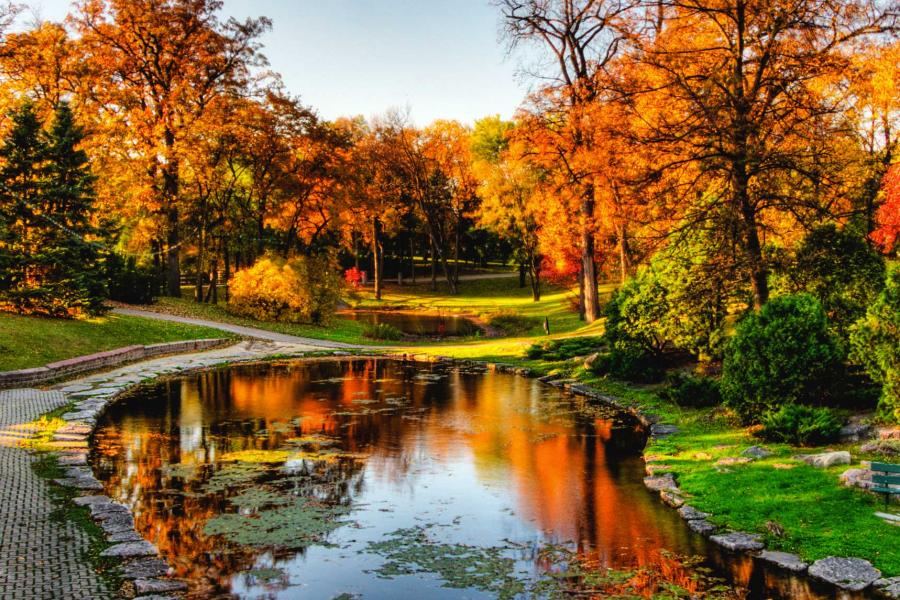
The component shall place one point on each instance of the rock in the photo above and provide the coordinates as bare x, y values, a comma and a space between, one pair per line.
733, 460
886, 447
82, 483
130, 550
888, 587
702, 526
854, 574
72, 460
825, 459
738, 541
757, 452
658, 483
662, 429
784, 560
117, 523
156, 597
855, 432
854, 477
152, 586
888, 433
103, 511
689, 513
129, 535
91, 500
145, 568
672, 498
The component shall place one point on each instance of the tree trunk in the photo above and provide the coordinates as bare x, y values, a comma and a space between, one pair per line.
412, 258
433, 265
456, 254
377, 252
623, 253
589, 268
198, 281
227, 270
535, 275
521, 275
173, 264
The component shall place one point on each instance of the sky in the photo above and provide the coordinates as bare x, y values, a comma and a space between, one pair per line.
438, 58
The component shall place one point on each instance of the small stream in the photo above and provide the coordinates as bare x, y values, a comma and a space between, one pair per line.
374, 478
417, 324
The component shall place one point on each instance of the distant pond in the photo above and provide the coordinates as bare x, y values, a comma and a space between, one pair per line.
375, 478
417, 324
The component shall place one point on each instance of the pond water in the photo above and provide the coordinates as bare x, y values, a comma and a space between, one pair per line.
374, 478
417, 323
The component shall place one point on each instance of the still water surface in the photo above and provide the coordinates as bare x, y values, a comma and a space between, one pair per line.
385, 479
417, 323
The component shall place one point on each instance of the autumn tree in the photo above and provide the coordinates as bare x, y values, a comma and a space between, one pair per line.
742, 93
582, 38
159, 65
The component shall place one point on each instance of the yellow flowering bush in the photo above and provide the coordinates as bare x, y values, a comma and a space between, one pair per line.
297, 290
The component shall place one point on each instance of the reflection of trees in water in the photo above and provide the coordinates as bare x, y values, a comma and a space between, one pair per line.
573, 472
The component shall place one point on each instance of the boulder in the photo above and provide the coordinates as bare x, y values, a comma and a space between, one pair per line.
153, 586
689, 513
662, 429
659, 483
784, 560
738, 541
757, 452
145, 568
854, 574
825, 459
886, 447
888, 587
130, 550
854, 432
702, 526
856, 477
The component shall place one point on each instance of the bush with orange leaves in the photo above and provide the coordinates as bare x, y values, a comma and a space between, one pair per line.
297, 290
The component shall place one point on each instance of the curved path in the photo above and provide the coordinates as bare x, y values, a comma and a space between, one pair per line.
251, 332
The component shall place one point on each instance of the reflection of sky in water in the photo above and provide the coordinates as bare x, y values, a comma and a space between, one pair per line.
484, 458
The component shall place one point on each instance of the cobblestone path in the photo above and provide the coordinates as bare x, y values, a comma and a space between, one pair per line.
40, 558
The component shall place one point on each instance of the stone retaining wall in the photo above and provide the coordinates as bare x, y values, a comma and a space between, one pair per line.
100, 360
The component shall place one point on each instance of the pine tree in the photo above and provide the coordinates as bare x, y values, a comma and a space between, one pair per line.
21, 157
49, 254
72, 241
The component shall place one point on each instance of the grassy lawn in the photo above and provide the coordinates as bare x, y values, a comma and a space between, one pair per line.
35, 341
477, 298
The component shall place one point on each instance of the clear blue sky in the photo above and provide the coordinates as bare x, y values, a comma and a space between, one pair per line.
442, 58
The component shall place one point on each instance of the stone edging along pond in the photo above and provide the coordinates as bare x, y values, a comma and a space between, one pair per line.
151, 575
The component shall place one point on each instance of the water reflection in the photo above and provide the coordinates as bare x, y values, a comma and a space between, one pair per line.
210, 461
416, 323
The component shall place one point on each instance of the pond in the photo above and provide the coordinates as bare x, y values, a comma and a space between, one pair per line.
418, 324
376, 478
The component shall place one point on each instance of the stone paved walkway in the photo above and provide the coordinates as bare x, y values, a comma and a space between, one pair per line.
40, 558
253, 332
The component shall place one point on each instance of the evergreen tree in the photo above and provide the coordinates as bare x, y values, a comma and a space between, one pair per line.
47, 202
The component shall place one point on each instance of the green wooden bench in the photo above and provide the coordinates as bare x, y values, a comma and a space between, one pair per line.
885, 479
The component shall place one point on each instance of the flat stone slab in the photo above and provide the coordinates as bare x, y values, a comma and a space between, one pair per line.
91, 500
72, 460
888, 587
659, 483
738, 541
784, 560
825, 459
702, 526
757, 452
117, 523
82, 483
662, 429
145, 568
124, 536
153, 586
130, 550
689, 513
854, 574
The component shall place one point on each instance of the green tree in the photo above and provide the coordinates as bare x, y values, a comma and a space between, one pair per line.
875, 343
781, 354
50, 254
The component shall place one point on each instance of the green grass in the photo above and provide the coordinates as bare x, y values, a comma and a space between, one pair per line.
475, 298
35, 341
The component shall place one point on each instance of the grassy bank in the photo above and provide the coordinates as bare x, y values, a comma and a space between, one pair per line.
479, 298
35, 341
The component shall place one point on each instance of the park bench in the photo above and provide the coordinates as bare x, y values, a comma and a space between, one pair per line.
885, 479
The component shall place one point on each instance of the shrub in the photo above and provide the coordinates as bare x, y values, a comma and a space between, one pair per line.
129, 283
875, 344
299, 290
382, 331
564, 348
691, 391
635, 313
629, 363
511, 323
784, 353
800, 425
